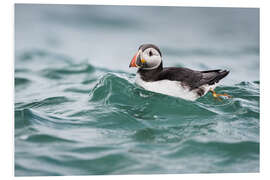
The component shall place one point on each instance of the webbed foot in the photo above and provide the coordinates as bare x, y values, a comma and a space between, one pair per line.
217, 96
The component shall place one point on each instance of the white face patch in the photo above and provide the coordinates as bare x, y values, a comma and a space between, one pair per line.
152, 58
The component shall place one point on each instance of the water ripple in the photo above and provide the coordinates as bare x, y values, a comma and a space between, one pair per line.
103, 123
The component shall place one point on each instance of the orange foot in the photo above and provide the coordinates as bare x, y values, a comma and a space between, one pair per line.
217, 96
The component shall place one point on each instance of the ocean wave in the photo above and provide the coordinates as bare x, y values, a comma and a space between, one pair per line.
118, 91
103, 116
63, 72
38, 54
21, 81
27, 116
44, 102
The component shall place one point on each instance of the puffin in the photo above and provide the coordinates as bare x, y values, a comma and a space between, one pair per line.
178, 82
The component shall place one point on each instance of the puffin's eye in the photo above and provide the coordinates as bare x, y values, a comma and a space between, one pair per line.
150, 53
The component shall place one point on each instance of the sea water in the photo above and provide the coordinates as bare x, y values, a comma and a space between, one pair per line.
79, 112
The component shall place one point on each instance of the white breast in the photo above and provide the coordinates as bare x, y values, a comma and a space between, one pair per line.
171, 88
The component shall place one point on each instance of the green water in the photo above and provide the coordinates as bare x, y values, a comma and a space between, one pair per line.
83, 115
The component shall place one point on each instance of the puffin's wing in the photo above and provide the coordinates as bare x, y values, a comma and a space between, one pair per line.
185, 76
213, 76
194, 79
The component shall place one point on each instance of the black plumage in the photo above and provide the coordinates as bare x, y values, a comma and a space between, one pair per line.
190, 78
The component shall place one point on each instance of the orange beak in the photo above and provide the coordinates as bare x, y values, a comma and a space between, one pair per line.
133, 61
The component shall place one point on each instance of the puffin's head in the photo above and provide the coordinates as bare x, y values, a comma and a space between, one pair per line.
148, 57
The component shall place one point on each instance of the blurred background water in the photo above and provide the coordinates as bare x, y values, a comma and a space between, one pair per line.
78, 111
